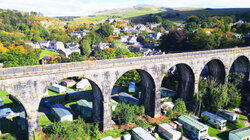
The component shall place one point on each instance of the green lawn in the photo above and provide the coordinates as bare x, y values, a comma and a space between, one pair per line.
223, 135
43, 120
4, 96
47, 53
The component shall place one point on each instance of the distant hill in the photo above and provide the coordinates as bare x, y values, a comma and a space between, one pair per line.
138, 10
180, 14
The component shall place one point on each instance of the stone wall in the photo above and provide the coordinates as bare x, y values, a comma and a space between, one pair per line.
29, 84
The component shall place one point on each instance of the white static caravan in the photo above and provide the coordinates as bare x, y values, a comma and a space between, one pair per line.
240, 134
193, 127
58, 88
228, 115
61, 113
108, 138
139, 133
1, 102
214, 119
168, 132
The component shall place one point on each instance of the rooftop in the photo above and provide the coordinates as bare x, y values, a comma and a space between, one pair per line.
198, 125
213, 116
60, 110
85, 103
143, 133
242, 132
169, 128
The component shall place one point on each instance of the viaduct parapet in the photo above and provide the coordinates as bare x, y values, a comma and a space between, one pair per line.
29, 84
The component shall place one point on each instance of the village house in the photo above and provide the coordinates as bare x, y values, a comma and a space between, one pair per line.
101, 45
116, 31
44, 44
72, 45
132, 39
77, 34
124, 39
33, 45
68, 51
135, 48
56, 45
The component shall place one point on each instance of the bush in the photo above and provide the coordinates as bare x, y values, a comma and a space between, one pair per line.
180, 107
205, 118
170, 113
217, 126
71, 130
125, 113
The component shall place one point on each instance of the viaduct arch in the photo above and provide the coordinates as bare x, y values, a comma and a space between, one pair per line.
28, 84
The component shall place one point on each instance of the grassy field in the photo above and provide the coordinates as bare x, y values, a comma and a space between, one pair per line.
43, 120
4, 96
88, 19
48, 53
223, 135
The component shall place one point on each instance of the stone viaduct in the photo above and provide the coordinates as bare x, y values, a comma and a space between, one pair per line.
29, 84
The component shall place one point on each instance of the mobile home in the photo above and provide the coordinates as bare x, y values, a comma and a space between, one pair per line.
61, 113
228, 115
108, 138
131, 87
1, 102
85, 108
139, 133
113, 104
128, 99
240, 134
193, 127
168, 132
167, 92
58, 88
214, 119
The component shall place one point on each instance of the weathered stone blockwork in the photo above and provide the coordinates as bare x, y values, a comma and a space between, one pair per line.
29, 84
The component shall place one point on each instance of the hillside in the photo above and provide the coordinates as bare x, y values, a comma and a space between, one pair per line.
180, 14
132, 12
135, 11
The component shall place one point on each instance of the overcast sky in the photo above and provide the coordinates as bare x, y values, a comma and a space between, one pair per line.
86, 7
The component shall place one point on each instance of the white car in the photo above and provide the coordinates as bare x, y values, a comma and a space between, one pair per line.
5, 112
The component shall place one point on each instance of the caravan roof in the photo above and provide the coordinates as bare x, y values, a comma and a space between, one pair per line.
213, 116
196, 124
128, 97
60, 110
85, 103
242, 132
228, 112
169, 128
143, 133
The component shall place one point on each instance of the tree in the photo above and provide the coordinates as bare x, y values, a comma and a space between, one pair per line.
180, 107
200, 40
191, 26
75, 56
85, 48
167, 24
105, 30
193, 19
174, 41
215, 95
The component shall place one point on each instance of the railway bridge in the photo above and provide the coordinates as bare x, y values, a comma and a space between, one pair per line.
29, 84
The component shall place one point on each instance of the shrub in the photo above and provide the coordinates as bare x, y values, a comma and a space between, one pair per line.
170, 113
180, 107
205, 118
217, 126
